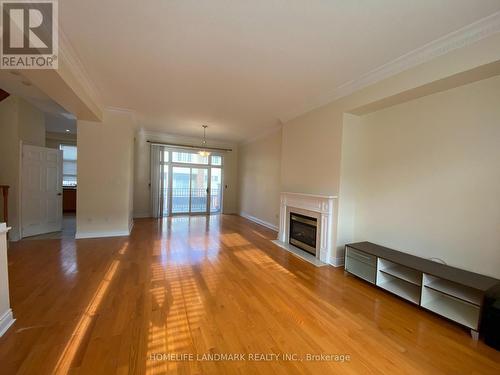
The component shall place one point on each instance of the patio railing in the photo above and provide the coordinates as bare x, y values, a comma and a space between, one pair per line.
199, 196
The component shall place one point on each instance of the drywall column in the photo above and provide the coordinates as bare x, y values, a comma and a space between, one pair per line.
6, 317
105, 175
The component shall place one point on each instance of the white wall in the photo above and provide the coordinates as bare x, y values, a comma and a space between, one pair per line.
424, 176
105, 175
19, 121
142, 207
259, 178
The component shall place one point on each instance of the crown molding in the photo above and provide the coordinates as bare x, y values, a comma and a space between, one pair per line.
126, 111
263, 134
460, 38
68, 54
171, 137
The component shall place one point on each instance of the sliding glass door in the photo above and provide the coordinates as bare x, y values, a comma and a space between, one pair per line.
215, 189
185, 182
189, 191
179, 193
199, 190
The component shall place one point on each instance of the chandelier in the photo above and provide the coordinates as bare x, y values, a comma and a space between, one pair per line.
203, 152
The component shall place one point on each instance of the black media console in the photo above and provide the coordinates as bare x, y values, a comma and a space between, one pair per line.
451, 292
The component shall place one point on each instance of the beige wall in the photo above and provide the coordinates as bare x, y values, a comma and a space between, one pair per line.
142, 170
311, 153
313, 159
31, 124
425, 178
259, 179
318, 133
19, 121
105, 175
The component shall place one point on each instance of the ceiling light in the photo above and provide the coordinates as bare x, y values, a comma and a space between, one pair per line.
204, 152
67, 130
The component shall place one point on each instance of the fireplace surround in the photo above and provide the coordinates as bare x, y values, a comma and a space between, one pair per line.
323, 209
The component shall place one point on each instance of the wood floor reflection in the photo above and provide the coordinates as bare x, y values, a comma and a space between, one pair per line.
181, 290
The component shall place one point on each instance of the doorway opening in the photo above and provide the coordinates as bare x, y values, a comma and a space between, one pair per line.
33, 167
49, 182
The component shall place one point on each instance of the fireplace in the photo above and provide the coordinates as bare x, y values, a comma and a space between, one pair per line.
319, 208
303, 232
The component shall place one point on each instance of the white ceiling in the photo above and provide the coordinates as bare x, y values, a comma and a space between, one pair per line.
241, 65
57, 119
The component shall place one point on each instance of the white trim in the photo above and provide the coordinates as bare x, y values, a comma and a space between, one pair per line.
6, 320
118, 233
68, 53
141, 215
460, 38
321, 207
311, 195
130, 226
259, 221
4, 228
17, 233
337, 262
124, 111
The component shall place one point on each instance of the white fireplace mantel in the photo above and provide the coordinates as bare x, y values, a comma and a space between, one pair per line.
321, 207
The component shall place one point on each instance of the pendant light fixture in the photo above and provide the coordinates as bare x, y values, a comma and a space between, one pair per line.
204, 152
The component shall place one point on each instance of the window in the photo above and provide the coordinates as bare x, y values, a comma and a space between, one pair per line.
189, 157
216, 160
69, 165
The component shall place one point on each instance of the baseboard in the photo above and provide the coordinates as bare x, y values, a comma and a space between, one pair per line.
14, 235
258, 221
6, 320
141, 215
337, 262
119, 233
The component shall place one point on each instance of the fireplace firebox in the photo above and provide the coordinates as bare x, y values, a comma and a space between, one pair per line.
303, 232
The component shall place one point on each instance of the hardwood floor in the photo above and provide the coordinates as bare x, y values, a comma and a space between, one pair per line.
213, 286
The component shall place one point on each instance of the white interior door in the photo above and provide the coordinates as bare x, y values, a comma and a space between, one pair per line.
41, 190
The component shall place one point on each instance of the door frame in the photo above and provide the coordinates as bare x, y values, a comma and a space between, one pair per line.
170, 164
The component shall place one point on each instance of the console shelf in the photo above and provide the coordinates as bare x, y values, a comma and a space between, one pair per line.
455, 294
455, 290
396, 270
402, 289
453, 309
